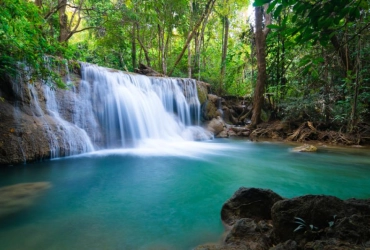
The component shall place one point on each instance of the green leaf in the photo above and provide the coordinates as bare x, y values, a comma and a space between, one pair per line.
258, 3
278, 11
271, 6
298, 228
273, 26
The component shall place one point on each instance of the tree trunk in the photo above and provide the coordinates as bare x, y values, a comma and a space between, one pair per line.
353, 119
133, 46
38, 3
146, 52
189, 60
260, 35
225, 39
63, 21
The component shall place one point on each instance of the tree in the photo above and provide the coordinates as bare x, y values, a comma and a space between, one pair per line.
206, 12
260, 37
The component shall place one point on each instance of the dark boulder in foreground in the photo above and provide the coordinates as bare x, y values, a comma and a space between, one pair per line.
254, 203
260, 219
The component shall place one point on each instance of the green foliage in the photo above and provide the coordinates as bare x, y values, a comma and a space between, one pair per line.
302, 225
23, 45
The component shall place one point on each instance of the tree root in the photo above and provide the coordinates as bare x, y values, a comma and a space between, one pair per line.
307, 132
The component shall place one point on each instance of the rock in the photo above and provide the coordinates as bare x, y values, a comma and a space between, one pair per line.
254, 203
223, 134
216, 246
231, 132
210, 108
331, 244
315, 210
329, 223
148, 71
287, 245
202, 90
216, 125
305, 148
349, 219
17, 197
247, 233
213, 98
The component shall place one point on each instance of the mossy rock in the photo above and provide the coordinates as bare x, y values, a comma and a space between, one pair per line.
202, 93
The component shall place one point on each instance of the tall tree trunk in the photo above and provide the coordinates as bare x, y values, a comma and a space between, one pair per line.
353, 119
189, 44
260, 35
189, 60
133, 46
38, 3
146, 52
201, 44
63, 21
225, 35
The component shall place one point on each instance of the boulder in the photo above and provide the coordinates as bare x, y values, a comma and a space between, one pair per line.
324, 217
310, 222
254, 203
223, 134
305, 148
216, 125
210, 108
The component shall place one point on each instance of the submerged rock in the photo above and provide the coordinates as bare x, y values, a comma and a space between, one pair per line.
14, 198
305, 148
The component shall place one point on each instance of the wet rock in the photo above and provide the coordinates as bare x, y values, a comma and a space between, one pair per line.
305, 148
254, 203
216, 125
17, 197
210, 108
223, 134
202, 90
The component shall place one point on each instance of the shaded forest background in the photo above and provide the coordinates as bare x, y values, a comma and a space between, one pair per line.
301, 60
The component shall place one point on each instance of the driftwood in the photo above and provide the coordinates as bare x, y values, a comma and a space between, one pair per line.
148, 71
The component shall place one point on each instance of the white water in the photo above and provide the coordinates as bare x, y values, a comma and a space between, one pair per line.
115, 110
131, 109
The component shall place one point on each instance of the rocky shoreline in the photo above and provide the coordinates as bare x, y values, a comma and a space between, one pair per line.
263, 220
230, 117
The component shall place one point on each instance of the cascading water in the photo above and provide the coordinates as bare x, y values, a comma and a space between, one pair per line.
132, 108
106, 109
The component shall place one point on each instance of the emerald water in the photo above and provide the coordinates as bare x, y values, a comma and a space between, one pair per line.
165, 196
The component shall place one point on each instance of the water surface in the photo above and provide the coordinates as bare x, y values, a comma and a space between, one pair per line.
166, 195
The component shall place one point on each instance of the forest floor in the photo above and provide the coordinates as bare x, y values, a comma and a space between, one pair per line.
307, 133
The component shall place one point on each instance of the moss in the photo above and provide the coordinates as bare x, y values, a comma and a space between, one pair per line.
202, 93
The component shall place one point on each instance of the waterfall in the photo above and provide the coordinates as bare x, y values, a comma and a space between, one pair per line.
130, 108
105, 109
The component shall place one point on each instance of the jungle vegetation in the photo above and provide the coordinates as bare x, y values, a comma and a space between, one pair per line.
302, 59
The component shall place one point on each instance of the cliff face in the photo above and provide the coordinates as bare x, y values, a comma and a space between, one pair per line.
30, 131
37, 122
